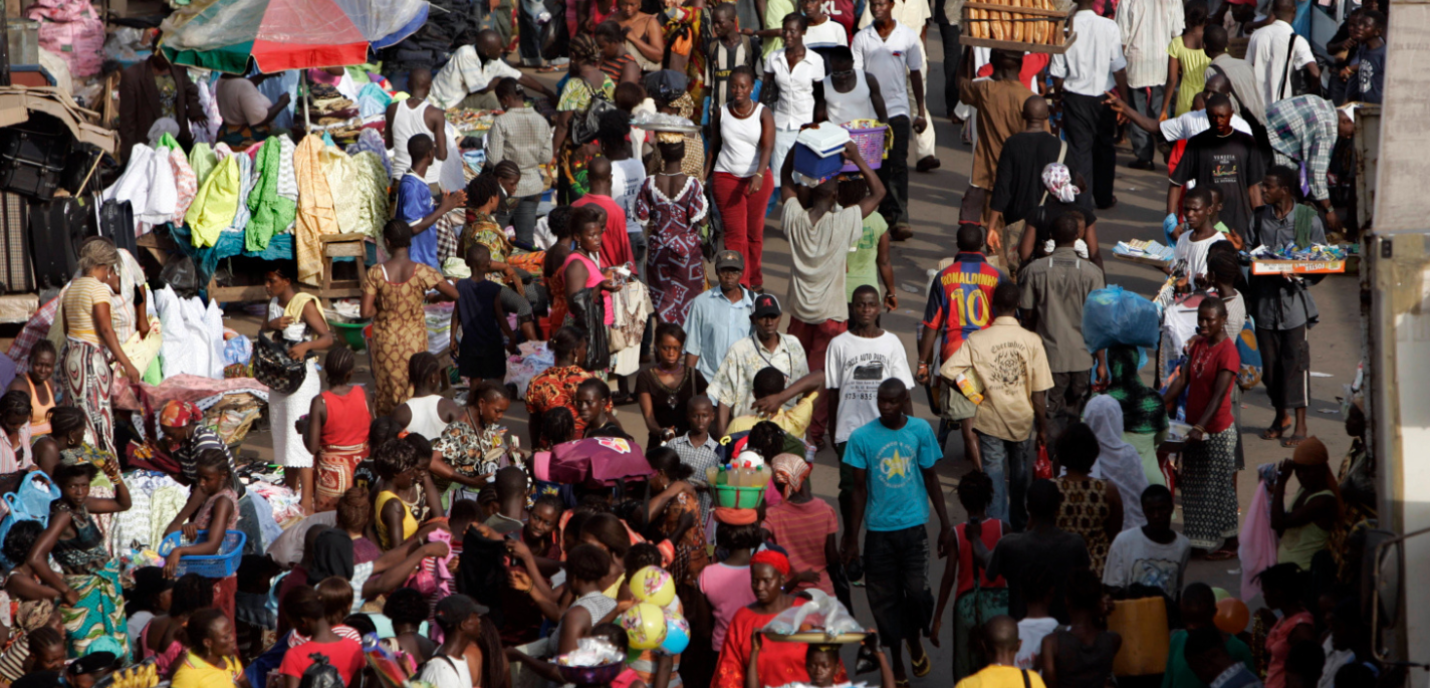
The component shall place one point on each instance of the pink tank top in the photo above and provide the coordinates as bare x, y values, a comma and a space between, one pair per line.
593, 278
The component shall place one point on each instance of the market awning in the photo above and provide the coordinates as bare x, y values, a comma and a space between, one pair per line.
287, 34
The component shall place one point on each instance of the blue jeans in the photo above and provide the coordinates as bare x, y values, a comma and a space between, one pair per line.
1147, 101
523, 219
896, 581
1010, 465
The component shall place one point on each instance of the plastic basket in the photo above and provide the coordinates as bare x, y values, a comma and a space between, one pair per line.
809, 163
221, 565
738, 497
871, 147
352, 334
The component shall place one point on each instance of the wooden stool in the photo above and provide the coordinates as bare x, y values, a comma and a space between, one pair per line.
343, 246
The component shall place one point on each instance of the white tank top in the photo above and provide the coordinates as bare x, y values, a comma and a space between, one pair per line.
426, 421
739, 142
406, 123
846, 107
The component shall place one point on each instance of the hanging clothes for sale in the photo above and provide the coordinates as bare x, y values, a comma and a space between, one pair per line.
241, 213
370, 187
271, 211
342, 173
186, 184
632, 309
203, 161
316, 214
148, 185
215, 204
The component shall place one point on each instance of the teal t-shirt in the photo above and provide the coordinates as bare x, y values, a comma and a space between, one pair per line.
863, 262
1179, 675
894, 458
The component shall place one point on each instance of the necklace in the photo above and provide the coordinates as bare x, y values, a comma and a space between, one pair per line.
742, 115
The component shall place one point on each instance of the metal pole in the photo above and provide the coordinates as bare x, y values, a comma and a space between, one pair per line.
307, 120
5, 49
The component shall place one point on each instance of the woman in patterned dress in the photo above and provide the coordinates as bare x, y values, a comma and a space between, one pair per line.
92, 601
671, 498
556, 386
92, 339
393, 296
670, 204
475, 446
1091, 508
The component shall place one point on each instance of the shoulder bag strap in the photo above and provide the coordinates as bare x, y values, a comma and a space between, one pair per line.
1286, 69
1026, 683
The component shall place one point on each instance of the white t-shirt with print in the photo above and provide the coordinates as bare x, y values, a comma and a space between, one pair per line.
856, 366
1031, 633
1135, 558
445, 672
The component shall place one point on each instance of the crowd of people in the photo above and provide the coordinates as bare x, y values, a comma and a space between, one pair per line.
426, 528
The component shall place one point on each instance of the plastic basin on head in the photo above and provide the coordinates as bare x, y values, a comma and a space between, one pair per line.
352, 334
738, 497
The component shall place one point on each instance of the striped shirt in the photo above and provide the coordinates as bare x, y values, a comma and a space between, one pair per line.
79, 302
802, 529
1148, 27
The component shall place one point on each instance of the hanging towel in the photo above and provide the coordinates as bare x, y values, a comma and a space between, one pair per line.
1256, 548
316, 214
215, 204
245, 174
294, 309
158, 206
272, 212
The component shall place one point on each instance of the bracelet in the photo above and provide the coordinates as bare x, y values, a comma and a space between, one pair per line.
923, 365
1200, 429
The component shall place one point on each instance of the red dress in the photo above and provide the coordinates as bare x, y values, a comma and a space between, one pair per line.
779, 663
343, 445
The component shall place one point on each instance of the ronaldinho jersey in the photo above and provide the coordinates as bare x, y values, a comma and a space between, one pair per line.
961, 300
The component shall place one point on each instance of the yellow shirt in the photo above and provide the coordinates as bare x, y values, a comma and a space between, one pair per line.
792, 420
79, 302
409, 524
995, 676
196, 673
1011, 364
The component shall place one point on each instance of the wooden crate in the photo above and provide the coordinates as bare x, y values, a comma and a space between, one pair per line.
1059, 19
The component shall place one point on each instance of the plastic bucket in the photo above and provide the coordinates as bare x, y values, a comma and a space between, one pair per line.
352, 334
871, 147
738, 497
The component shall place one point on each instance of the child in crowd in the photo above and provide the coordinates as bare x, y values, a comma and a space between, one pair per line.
428, 412
699, 451
480, 349
1154, 555
338, 423
304, 610
973, 598
807, 528
337, 597
1192, 246
726, 583
408, 610
769, 382
213, 508
1198, 607
1039, 622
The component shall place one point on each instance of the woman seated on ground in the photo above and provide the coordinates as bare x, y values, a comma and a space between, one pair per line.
212, 659
400, 501
15, 452
213, 507
66, 438
37, 383
23, 583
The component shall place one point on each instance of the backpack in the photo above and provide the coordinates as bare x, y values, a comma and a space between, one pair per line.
30, 502
320, 674
585, 125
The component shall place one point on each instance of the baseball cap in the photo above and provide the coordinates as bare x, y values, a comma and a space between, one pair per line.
454, 609
767, 305
729, 259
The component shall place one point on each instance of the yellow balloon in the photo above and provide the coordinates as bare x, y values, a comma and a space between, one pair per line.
653, 584
645, 626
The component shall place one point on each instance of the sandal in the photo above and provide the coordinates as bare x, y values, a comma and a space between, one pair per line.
1221, 555
921, 666
901, 683
1274, 432
619, 399
1293, 441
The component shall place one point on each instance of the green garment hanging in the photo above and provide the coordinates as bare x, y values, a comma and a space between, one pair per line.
272, 213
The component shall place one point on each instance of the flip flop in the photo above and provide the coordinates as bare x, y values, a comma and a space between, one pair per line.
1274, 432
1221, 555
1292, 441
922, 666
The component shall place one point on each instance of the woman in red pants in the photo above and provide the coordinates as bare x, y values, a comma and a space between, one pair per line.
742, 136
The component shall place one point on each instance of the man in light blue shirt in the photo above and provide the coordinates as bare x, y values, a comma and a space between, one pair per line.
718, 317
893, 459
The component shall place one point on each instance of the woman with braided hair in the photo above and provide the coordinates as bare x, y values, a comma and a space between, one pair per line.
66, 438
93, 342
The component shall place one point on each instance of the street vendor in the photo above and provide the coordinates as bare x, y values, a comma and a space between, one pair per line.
247, 113
469, 80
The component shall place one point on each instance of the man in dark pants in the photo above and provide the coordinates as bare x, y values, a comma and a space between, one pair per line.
1082, 76
948, 14
891, 52
893, 458
1282, 305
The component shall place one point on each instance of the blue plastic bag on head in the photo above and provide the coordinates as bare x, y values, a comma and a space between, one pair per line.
1114, 316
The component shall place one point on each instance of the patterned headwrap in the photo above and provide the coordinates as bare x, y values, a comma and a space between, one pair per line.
791, 470
179, 414
1058, 181
779, 561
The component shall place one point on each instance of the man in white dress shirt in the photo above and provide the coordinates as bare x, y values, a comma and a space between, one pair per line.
891, 51
916, 15
1082, 76
1148, 26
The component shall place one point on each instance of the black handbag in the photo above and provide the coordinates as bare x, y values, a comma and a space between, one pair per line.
273, 367
587, 124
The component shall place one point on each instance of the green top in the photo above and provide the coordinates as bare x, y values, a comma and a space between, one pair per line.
1179, 675
1300, 543
1194, 66
863, 260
